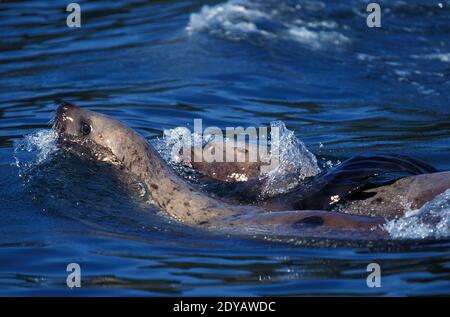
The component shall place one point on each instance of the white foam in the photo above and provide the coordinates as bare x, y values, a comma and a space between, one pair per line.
317, 39
232, 20
443, 57
241, 19
430, 221
317, 24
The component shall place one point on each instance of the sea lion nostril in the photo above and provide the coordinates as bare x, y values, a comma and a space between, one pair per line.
63, 108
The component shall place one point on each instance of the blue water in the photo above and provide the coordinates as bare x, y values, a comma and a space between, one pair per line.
343, 88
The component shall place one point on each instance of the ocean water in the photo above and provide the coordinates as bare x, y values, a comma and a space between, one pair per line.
343, 88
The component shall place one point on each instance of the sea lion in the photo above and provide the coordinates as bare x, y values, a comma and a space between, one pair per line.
112, 142
393, 200
376, 185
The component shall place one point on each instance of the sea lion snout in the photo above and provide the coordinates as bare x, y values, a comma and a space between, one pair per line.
64, 116
73, 121
64, 107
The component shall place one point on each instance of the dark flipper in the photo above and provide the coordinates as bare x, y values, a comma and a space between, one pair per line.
348, 180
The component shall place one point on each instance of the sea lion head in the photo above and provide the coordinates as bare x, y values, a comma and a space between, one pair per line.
91, 134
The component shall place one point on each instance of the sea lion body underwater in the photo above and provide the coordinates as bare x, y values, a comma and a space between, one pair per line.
113, 142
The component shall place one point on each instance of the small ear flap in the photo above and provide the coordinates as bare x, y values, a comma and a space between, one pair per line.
316, 222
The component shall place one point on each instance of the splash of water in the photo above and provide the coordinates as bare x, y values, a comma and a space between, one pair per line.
176, 139
296, 162
432, 220
34, 149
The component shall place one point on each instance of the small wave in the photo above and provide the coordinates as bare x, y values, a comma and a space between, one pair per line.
430, 221
241, 19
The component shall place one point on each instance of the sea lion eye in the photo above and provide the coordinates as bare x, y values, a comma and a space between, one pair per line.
85, 128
